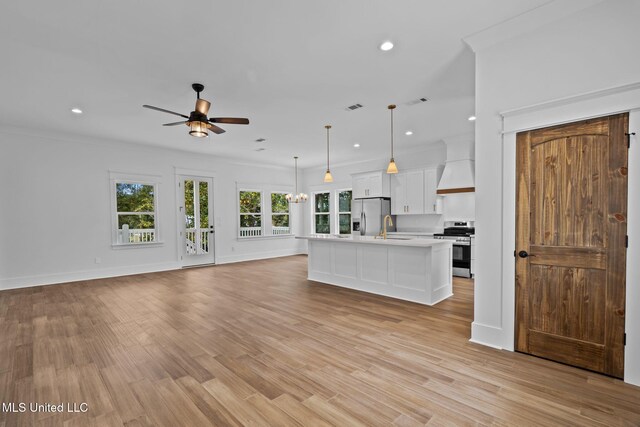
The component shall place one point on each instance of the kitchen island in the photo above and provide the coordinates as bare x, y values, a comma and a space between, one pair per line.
417, 270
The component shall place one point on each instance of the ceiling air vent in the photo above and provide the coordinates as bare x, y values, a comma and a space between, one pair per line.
417, 101
353, 107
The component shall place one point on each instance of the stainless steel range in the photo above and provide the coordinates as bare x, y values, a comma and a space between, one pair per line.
460, 234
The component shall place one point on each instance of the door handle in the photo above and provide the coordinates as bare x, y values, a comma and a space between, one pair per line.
523, 254
363, 229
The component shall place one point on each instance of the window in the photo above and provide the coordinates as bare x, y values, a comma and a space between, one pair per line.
279, 214
134, 210
344, 211
321, 213
250, 213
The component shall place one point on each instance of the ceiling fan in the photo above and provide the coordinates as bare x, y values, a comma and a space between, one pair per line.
198, 122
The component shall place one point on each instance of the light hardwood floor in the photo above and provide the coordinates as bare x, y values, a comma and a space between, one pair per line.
257, 344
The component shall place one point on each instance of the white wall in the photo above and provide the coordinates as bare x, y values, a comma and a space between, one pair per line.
431, 156
592, 50
55, 208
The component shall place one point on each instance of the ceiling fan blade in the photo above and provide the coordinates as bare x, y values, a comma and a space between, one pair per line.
165, 111
202, 106
175, 123
215, 129
230, 120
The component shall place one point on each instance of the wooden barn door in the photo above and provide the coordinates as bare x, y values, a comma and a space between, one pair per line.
571, 226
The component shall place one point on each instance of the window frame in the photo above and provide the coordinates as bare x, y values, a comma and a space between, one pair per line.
266, 189
116, 178
240, 213
314, 213
272, 214
338, 212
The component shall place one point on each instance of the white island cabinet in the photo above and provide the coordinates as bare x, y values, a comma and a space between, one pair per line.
417, 270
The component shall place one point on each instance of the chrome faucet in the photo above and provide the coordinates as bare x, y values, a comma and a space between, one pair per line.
384, 226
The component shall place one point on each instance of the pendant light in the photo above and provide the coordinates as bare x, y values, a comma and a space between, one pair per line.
296, 197
392, 168
327, 175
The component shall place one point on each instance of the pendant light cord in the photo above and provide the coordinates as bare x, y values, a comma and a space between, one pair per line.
328, 127
391, 131
296, 159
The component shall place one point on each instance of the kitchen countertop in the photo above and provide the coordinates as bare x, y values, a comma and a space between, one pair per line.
372, 240
412, 233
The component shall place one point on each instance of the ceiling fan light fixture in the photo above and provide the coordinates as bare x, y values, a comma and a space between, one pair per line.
198, 129
199, 124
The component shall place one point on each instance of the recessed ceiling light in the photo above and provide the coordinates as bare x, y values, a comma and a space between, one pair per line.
472, 118
408, 133
386, 46
76, 110
356, 145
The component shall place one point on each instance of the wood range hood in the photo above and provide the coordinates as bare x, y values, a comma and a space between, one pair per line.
459, 170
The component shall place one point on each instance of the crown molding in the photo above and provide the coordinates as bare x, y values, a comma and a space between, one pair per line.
526, 22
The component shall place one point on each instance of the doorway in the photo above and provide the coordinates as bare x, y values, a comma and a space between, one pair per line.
571, 226
196, 229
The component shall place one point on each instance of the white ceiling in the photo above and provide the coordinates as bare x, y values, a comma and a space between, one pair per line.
291, 66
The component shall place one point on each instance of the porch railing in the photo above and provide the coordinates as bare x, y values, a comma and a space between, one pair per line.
257, 231
197, 243
135, 235
280, 230
250, 231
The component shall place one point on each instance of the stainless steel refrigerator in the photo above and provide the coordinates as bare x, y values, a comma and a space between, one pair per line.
367, 216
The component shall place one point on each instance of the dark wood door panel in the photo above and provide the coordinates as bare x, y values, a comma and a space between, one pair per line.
568, 191
568, 256
597, 126
572, 352
571, 219
564, 302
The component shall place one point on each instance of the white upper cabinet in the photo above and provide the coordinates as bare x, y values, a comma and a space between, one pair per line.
371, 184
413, 192
407, 193
432, 202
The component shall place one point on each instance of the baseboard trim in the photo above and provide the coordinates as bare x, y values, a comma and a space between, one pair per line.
76, 276
489, 336
257, 256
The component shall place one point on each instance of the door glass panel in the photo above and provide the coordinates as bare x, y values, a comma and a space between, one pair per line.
204, 204
189, 206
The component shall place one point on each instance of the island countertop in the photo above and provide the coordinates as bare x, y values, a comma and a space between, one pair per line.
375, 240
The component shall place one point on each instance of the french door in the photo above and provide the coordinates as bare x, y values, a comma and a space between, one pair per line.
197, 225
